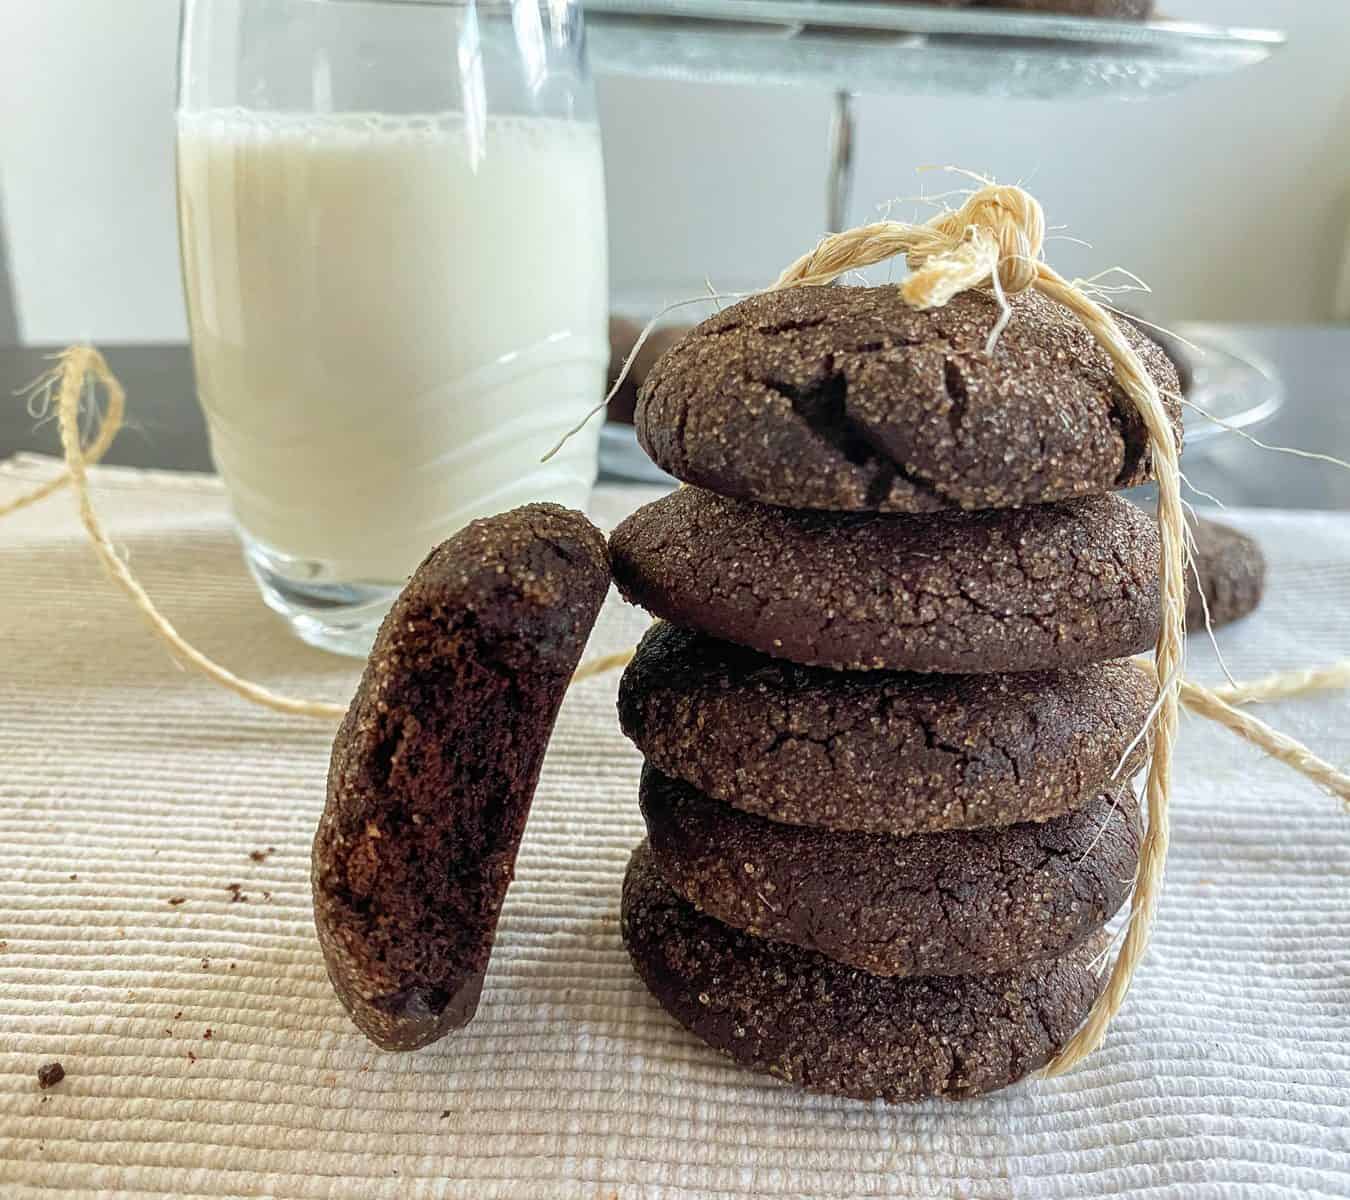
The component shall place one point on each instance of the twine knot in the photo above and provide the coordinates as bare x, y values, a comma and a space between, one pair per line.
997, 234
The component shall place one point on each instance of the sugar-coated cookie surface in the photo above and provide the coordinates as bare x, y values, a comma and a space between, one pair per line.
810, 1021
436, 763
880, 751
1027, 589
976, 901
846, 398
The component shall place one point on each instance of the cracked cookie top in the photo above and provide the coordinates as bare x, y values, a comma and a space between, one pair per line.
969, 902
1024, 589
847, 399
881, 751
811, 1021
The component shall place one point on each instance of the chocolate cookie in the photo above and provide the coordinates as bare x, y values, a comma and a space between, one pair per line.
436, 762
846, 398
1040, 588
1232, 574
623, 336
972, 902
1135, 10
880, 751
830, 1028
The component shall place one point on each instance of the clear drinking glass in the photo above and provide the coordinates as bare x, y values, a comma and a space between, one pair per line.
392, 220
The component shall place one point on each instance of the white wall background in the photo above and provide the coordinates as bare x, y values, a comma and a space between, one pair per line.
1232, 199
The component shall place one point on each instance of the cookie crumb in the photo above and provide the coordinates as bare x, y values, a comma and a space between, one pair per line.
206, 964
236, 891
260, 856
177, 900
445, 1112
207, 1035
192, 1058
50, 1074
73, 878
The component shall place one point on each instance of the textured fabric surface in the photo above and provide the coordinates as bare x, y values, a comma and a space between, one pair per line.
133, 920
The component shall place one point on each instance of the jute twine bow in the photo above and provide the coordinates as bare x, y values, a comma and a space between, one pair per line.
993, 241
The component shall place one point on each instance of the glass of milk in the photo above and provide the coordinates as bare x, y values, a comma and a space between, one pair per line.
392, 219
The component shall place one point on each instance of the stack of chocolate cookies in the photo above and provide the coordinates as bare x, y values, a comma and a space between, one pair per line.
884, 713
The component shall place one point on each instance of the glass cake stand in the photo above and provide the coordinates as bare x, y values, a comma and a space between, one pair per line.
1231, 384
846, 48
912, 48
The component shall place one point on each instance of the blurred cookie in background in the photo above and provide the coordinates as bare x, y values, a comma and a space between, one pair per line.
1135, 10
1231, 571
623, 336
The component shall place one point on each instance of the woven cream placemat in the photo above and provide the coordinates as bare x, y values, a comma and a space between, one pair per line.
155, 937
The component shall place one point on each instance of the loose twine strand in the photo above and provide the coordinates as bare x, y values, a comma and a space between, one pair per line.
68, 381
1219, 705
77, 365
994, 241
63, 387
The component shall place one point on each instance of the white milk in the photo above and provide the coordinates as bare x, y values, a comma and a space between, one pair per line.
392, 321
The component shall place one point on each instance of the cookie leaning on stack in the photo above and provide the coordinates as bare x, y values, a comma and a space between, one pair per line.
435, 765
883, 723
